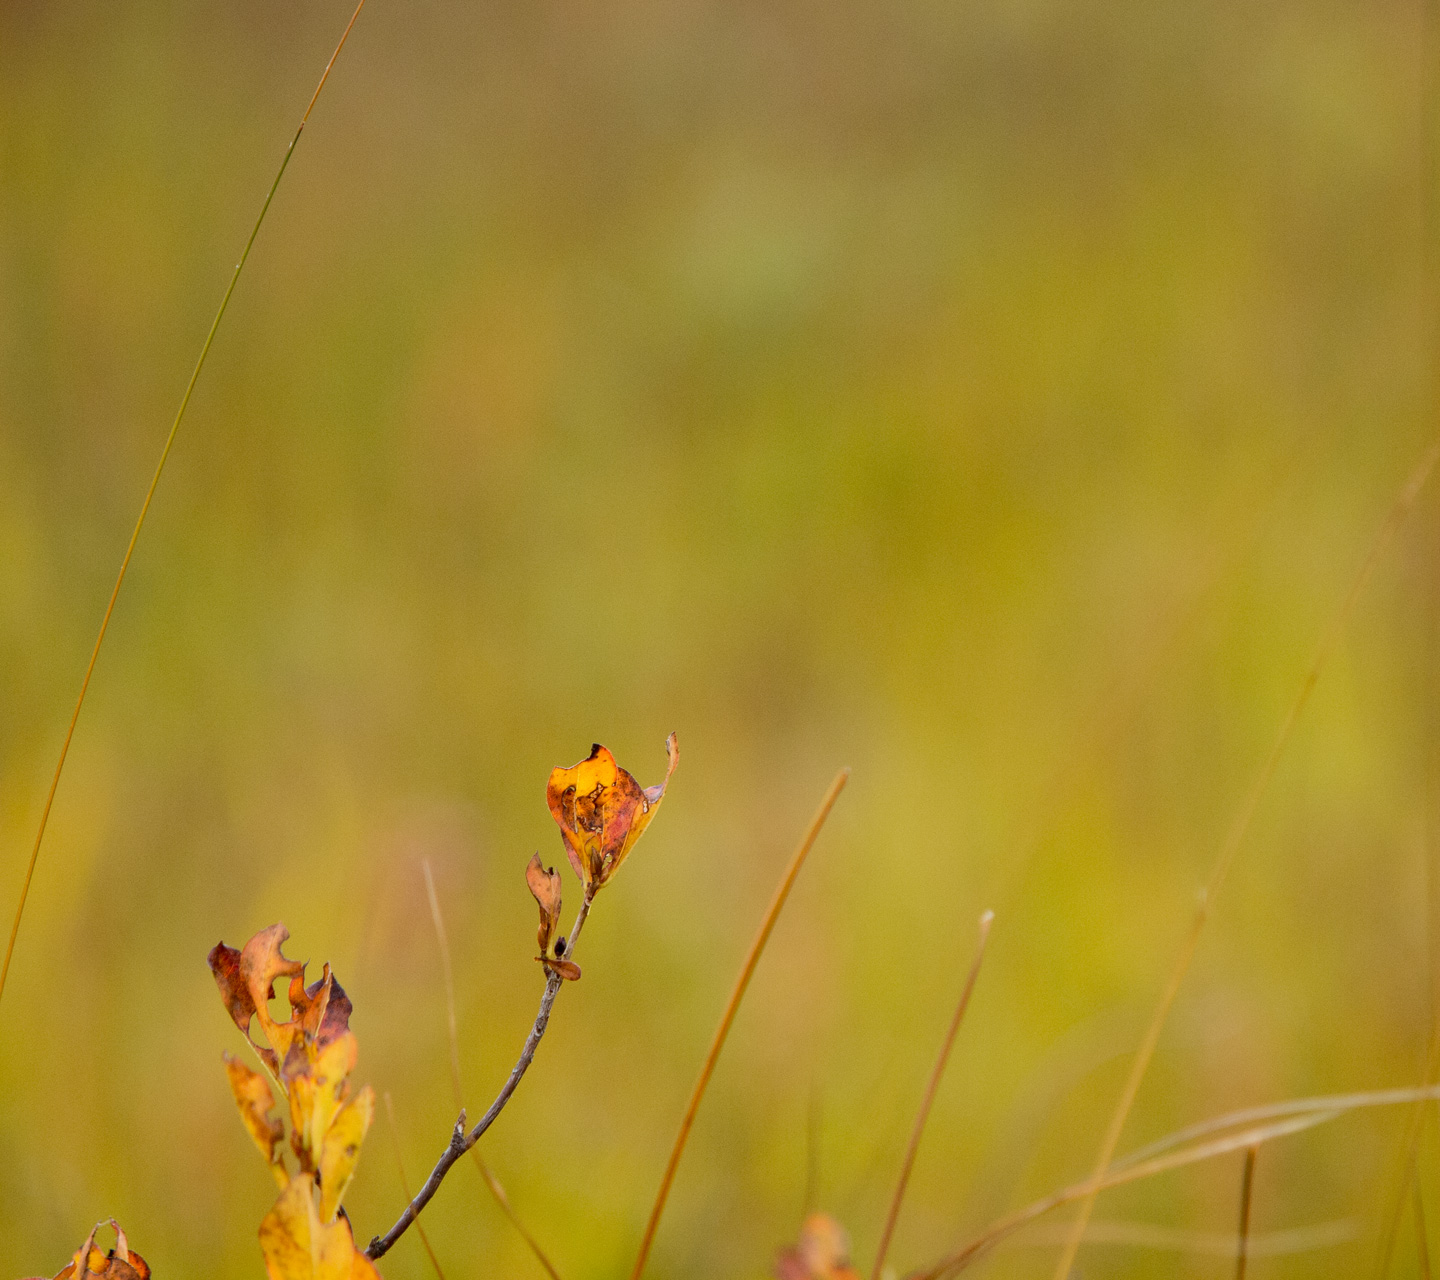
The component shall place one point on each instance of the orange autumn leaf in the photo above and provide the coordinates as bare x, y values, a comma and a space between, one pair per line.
246, 979
602, 811
253, 1097
821, 1253
544, 884
119, 1263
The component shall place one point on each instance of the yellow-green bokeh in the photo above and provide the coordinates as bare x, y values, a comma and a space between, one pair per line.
997, 398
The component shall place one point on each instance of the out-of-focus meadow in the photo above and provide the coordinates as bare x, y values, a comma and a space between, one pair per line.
997, 398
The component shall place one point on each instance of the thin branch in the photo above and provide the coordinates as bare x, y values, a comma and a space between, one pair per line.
460, 1140
723, 1030
491, 1181
405, 1182
1231, 846
924, 1113
1247, 1191
145, 508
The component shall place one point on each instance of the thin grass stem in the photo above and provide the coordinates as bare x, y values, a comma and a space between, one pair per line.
1247, 1191
752, 959
491, 1181
405, 1182
145, 509
1422, 1239
1231, 846
986, 920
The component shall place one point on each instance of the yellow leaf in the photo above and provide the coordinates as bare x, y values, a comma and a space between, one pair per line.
297, 1245
253, 1097
340, 1150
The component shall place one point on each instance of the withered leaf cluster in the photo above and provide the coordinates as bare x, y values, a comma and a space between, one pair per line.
306, 1236
119, 1263
601, 811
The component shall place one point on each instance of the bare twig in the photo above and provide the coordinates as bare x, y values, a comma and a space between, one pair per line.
1247, 1190
491, 1181
930, 1090
405, 1182
461, 1141
723, 1030
145, 507
1231, 846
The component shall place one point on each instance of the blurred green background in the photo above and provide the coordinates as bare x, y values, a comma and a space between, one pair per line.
998, 398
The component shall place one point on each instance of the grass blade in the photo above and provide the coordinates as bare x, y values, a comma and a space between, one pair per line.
145, 507
930, 1090
732, 1005
1231, 846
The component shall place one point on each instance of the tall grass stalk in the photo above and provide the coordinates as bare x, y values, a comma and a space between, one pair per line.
149, 497
732, 1006
928, 1100
1231, 846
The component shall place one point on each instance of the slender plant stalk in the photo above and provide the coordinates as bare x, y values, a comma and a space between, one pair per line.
145, 506
931, 1089
1422, 1240
405, 1182
1005, 1227
461, 1141
747, 970
1247, 1190
1231, 846
1237, 1130
491, 1181
1145, 1235
1410, 1156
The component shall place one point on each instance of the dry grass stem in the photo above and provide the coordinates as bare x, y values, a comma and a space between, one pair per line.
1247, 1191
1422, 1240
930, 1090
1233, 1131
1228, 850
145, 507
732, 1005
405, 1182
1215, 1244
491, 1181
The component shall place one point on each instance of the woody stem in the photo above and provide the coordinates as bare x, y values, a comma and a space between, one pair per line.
461, 1141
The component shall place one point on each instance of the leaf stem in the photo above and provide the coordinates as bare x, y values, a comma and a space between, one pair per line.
747, 970
460, 1141
145, 507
